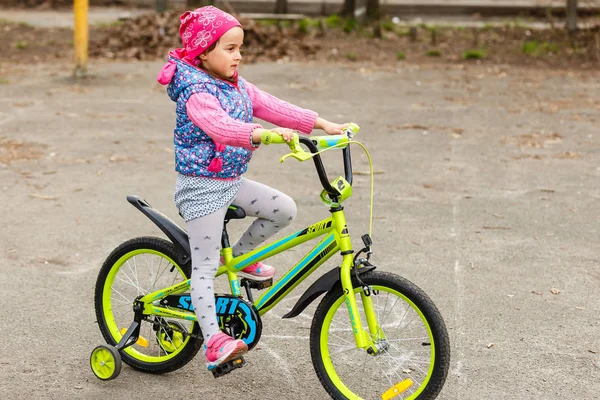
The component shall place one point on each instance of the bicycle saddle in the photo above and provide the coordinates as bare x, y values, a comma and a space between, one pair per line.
234, 212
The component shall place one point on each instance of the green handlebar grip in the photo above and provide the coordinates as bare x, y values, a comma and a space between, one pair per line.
352, 127
269, 137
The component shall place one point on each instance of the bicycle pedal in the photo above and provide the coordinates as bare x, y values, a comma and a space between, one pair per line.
258, 285
229, 366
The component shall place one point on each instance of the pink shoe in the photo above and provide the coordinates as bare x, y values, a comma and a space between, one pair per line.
222, 348
258, 272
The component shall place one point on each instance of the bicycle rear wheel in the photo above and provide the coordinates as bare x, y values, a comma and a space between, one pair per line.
135, 268
414, 350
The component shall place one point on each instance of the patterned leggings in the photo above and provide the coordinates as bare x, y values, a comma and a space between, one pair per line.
273, 211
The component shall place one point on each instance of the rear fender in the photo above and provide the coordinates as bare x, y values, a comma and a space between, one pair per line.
178, 236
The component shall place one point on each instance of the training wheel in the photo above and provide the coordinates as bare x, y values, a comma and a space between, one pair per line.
106, 362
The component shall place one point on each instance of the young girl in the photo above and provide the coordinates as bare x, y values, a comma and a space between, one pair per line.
214, 140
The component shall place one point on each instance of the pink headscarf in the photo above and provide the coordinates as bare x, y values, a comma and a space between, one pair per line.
199, 29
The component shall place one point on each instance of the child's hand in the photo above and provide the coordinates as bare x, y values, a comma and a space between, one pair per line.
287, 134
330, 128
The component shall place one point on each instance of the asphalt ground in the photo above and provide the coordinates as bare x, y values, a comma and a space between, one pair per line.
486, 196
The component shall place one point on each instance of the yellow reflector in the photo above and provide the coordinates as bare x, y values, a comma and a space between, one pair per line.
238, 361
397, 389
142, 341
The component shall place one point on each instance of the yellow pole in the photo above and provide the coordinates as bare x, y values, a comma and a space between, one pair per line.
80, 8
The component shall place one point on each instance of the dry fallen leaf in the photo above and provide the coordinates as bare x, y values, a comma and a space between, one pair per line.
119, 158
554, 291
568, 154
536, 292
534, 140
42, 196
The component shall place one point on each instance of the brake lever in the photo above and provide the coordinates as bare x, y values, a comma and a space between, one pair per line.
297, 151
300, 156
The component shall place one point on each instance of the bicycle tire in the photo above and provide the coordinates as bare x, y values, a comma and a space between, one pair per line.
344, 380
180, 352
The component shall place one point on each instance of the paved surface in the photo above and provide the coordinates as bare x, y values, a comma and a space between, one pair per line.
487, 197
65, 18
408, 10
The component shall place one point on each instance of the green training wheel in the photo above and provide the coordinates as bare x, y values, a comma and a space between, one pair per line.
106, 362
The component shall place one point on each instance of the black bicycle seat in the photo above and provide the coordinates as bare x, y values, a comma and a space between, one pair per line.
234, 212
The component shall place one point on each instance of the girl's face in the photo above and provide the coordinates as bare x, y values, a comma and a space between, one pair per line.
225, 58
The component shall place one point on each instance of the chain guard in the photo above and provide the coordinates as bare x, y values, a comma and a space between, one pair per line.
233, 314
238, 315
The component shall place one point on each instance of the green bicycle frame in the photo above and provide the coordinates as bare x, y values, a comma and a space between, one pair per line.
336, 238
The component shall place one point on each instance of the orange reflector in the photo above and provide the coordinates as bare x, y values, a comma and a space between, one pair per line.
142, 341
397, 389
238, 361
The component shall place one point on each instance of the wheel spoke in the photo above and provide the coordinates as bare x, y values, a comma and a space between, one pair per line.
128, 282
398, 353
137, 271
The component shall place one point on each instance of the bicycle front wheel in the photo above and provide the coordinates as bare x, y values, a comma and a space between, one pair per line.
413, 350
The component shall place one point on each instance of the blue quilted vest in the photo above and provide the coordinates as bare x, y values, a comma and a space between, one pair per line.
194, 149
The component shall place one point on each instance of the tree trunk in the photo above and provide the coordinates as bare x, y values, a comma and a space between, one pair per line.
571, 15
356, 9
281, 7
348, 8
360, 11
373, 9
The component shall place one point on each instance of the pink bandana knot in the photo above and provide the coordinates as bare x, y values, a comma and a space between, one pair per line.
166, 73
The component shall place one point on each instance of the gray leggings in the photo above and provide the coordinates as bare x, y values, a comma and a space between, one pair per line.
273, 211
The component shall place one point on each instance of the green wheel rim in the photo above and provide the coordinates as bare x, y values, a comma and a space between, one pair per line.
328, 363
112, 324
103, 363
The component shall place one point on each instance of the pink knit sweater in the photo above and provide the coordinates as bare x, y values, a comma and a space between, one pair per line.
205, 112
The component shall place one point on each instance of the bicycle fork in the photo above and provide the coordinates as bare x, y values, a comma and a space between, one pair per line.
364, 339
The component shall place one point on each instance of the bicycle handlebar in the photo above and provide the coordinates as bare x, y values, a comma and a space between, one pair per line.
271, 137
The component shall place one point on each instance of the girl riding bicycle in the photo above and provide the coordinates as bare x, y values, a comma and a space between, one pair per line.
214, 140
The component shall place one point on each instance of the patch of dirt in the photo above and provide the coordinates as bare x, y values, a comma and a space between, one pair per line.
535, 140
22, 43
150, 37
14, 150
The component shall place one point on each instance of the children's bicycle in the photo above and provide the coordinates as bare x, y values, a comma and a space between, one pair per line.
373, 335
